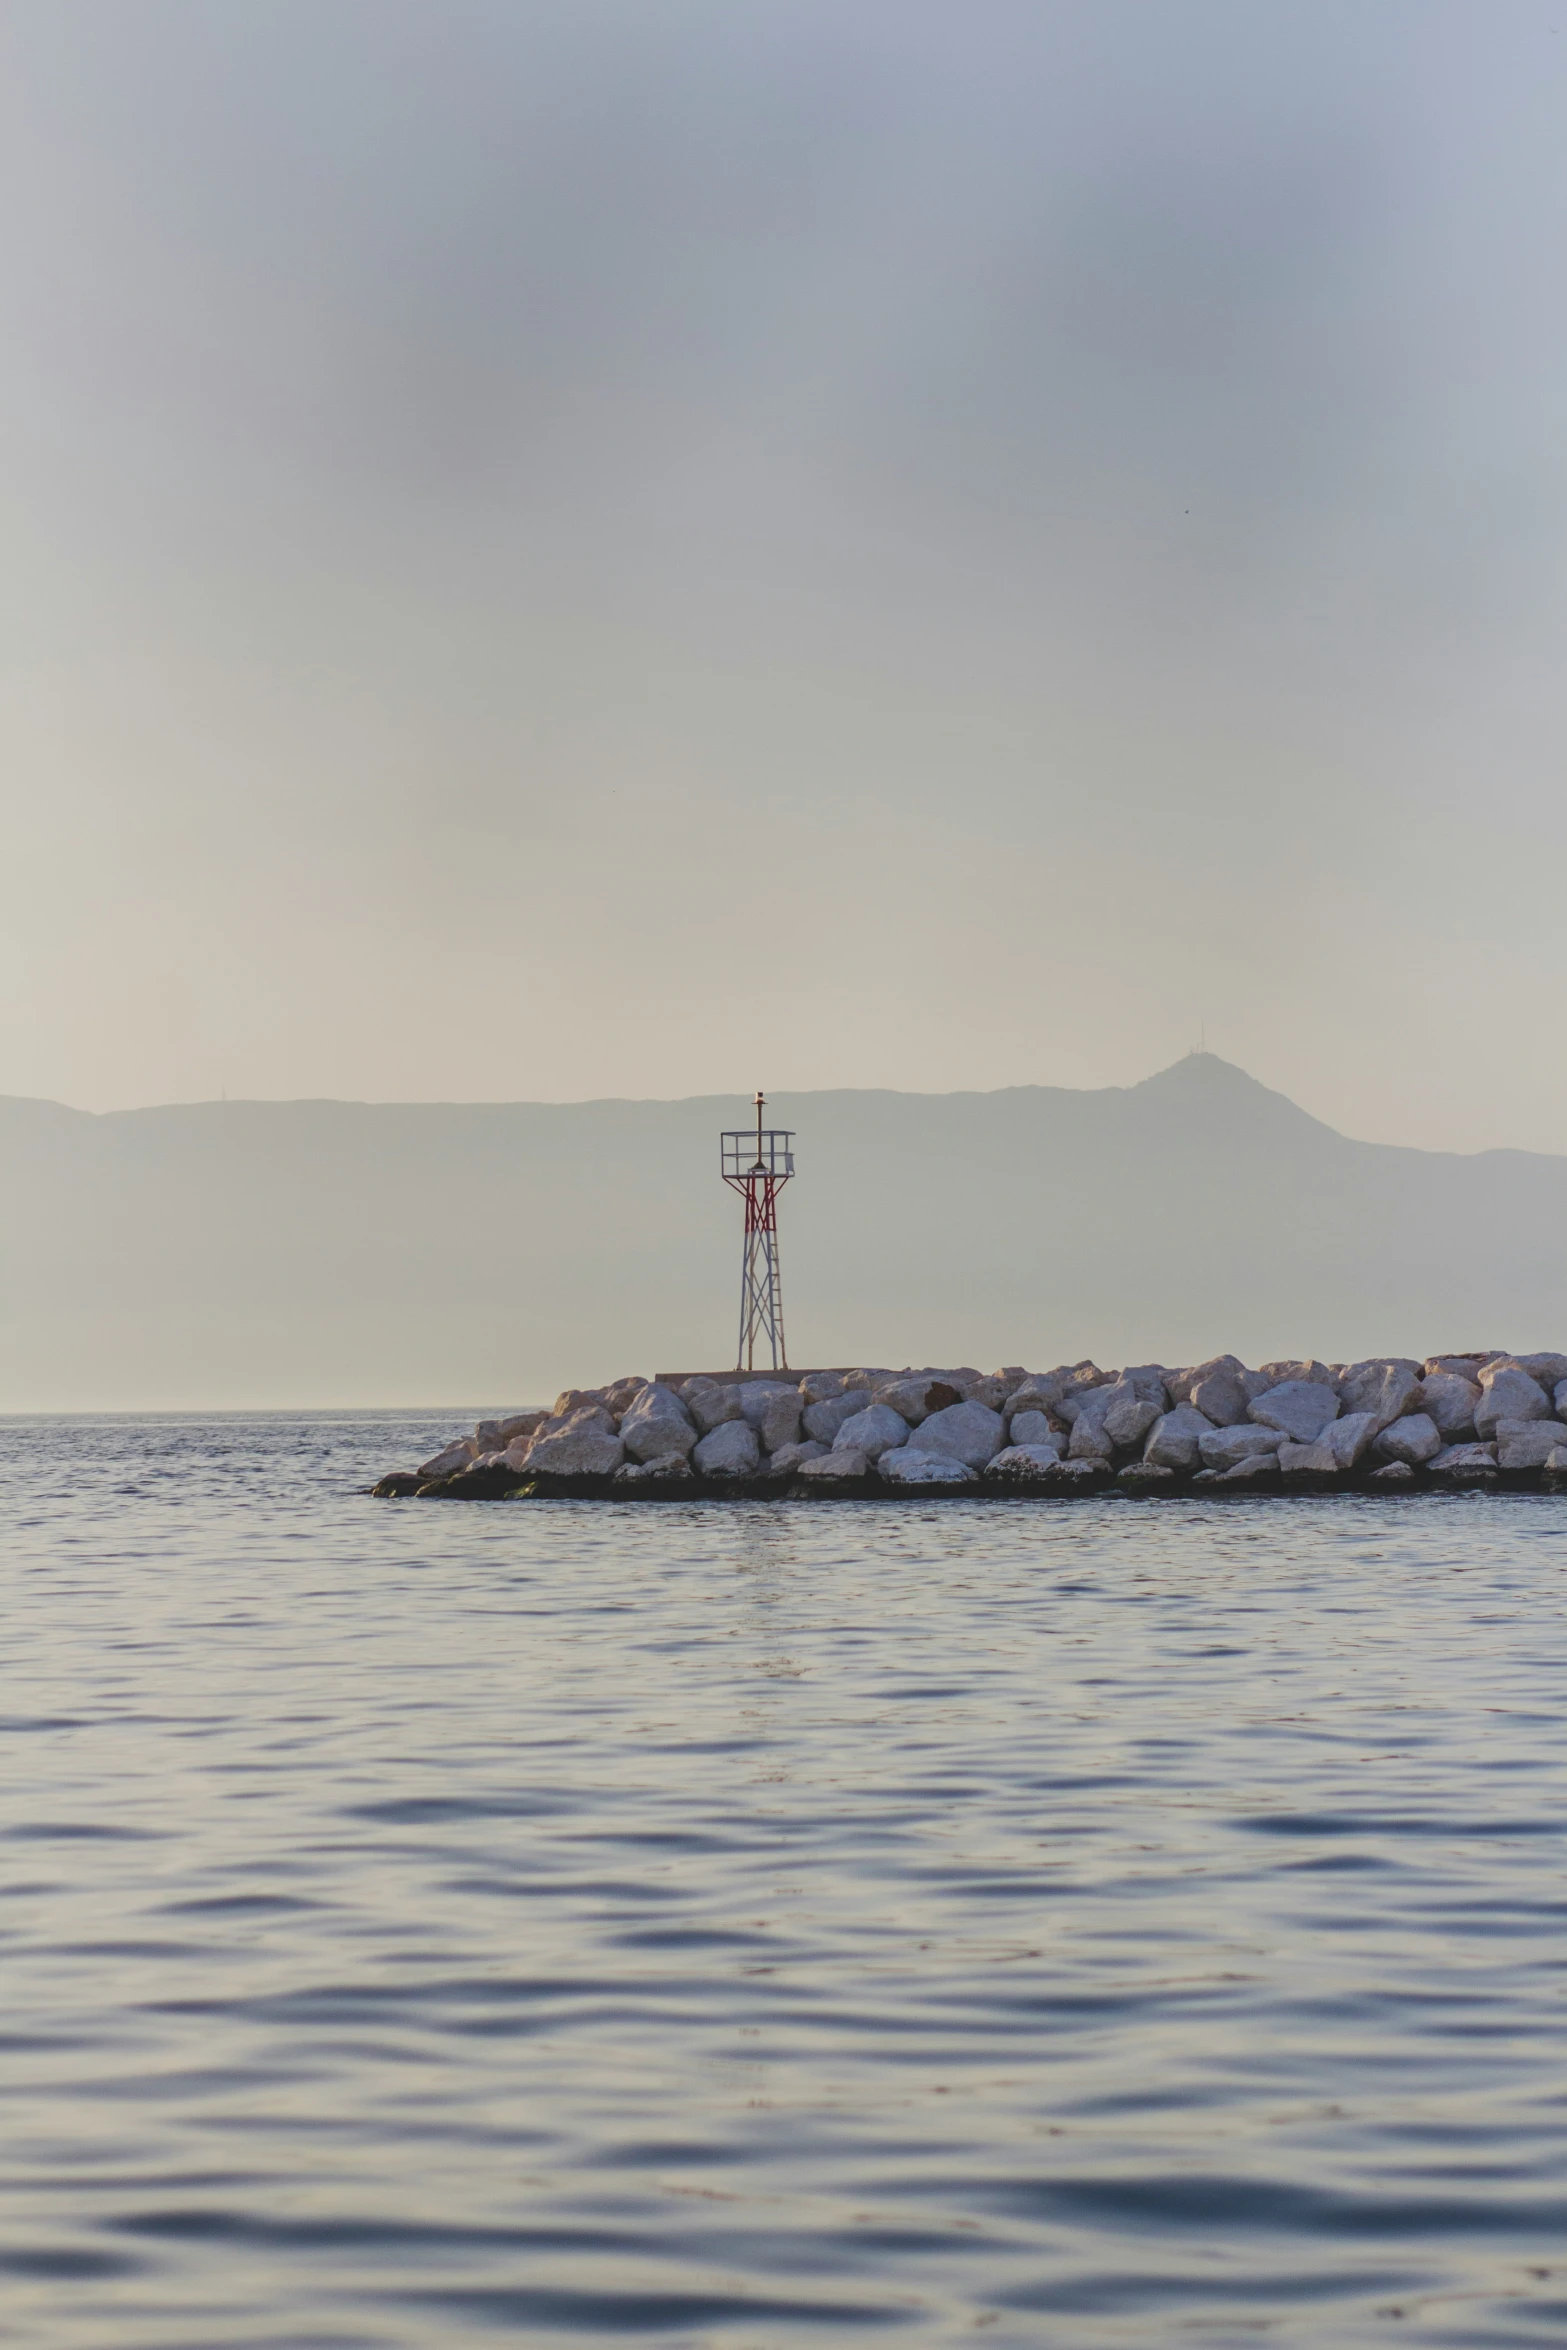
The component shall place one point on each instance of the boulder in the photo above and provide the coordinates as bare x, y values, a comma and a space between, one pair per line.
1559, 1400
1309, 1460
1459, 1462
711, 1403
772, 1408
1556, 1461
979, 1387
1257, 1468
905, 1466
790, 1457
876, 1430
1299, 1408
522, 1424
1415, 1439
578, 1399
830, 1468
1031, 1428
1450, 1401
1174, 1438
728, 1450
450, 1458
1463, 1366
1387, 1386
397, 1485
1349, 1437
1549, 1369
1041, 1391
1527, 1444
1023, 1464
655, 1423
669, 1468
1396, 1473
822, 1386
578, 1444
968, 1432
1313, 1373
915, 1398
1144, 1477
1219, 1390
1507, 1392
1129, 1415
1225, 1448
620, 1393
823, 1420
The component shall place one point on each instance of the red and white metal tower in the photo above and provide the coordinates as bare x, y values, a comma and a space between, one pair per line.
758, 1164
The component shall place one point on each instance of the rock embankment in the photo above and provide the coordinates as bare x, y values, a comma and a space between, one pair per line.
1386, 1424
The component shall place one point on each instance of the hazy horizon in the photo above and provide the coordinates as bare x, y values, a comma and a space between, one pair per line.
633, 550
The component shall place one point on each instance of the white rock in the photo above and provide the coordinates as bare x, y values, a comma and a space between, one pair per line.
578, 1444
831, 1467
1299, 1408
905, 1466
1175, 1437
1549, 1369
1311, 1372
1395, 1473
1256, 1468
578, 1399
1560, 1400
823, 1420
1462, 1366
729, 1450
772, 1408
821, 1386
979, 1387
450, 1458
914, 1397
1463, 1460
670, 1468
710, 1404
1415, 1439
1527, 1444
1031, 1428
1450, 1402
876, 1430
968, 1432
1349, 1437
1023, 1464
522, 1424
620, 1393
1225, 1448
1556, 1459
1508, 1393
1142, 1476
656, 1422
1218, 1389
1129, 1416
1309, 1460
795, 1456
1387, 1386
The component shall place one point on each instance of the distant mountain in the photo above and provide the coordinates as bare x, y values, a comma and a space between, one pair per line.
291, 1253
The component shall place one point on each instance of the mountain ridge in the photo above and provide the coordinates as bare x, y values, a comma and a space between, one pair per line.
328, 1253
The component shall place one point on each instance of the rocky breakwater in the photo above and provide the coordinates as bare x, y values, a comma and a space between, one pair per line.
1387, 1424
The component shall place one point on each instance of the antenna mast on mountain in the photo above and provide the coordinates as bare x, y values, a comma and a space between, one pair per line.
757, 1165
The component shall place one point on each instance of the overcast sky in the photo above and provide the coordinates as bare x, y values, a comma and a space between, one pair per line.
652, 546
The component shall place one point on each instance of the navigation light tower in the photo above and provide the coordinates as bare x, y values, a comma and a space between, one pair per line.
757, 1164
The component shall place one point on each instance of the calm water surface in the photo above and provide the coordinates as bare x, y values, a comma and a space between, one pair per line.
736, 1925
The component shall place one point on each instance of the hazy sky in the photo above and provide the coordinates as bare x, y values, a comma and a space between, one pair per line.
641, 547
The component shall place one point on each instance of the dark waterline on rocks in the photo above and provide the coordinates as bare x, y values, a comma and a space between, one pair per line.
739, 1924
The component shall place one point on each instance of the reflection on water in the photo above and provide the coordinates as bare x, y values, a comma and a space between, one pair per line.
1100, 1923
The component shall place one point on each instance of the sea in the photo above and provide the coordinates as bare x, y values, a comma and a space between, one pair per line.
751, 1924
